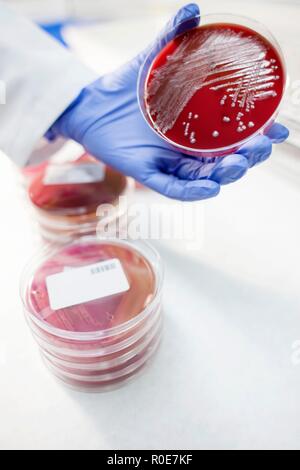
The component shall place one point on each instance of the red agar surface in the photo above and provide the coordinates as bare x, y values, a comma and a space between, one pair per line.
214, 86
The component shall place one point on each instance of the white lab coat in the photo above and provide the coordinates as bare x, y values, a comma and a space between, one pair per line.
40, 79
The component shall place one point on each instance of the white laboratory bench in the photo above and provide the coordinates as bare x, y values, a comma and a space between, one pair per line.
224, 375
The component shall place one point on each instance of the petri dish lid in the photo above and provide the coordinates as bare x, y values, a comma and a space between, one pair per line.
92, 288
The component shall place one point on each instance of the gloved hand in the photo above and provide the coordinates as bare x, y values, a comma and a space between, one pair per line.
107, 121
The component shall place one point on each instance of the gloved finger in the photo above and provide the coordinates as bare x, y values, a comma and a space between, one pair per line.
277, 133
189, 168
186, 18
221, 170
183, 190
229, 169
257, 150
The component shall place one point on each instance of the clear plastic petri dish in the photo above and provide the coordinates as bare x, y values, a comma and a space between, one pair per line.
107, 362
206, 90
67, 195
94, 306
109, 368
96, 351
104, 382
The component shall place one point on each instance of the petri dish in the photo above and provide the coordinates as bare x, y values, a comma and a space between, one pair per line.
209, 89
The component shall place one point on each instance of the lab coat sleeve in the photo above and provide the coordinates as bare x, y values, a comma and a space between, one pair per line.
39, 79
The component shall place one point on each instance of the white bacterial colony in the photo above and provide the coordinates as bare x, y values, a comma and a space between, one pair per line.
221, 60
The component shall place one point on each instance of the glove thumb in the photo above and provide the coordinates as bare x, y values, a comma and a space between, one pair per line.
188, 17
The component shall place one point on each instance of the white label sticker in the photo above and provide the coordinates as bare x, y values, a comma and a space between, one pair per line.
68, 173
70, 152
80, 285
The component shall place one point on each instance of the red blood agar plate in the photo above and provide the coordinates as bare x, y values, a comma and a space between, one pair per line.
94, 309
66, 196
210, 89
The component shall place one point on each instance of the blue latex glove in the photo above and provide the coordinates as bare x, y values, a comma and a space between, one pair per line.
107, 121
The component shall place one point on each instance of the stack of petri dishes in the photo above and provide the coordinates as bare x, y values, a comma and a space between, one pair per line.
94, 309
66, 196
